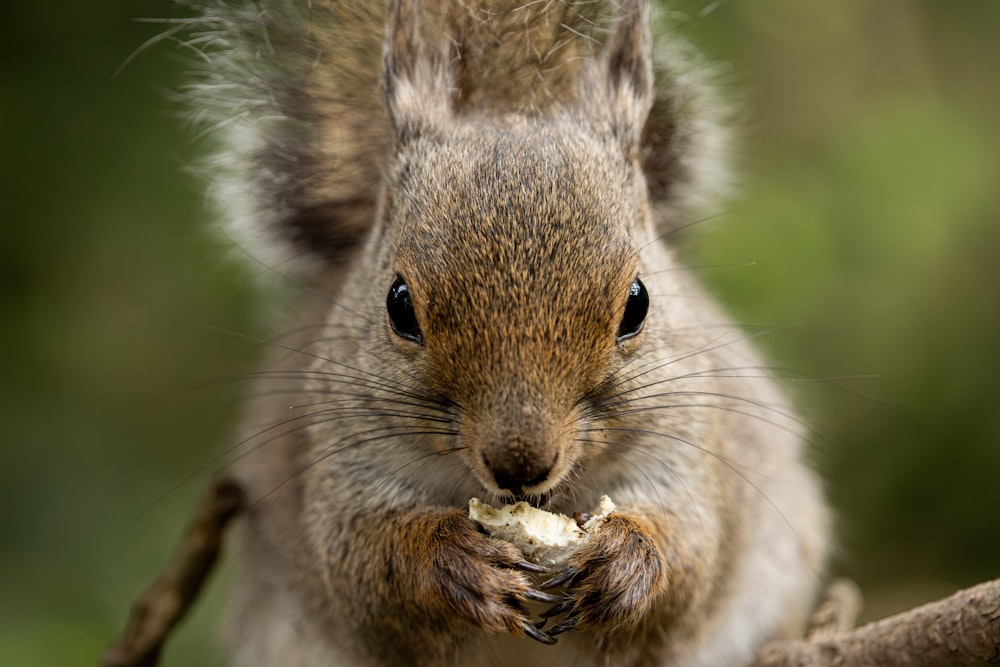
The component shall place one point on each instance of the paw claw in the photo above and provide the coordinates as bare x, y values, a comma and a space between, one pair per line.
564, 605
539, 596
564, 577
536, 633
530, 567
566, 626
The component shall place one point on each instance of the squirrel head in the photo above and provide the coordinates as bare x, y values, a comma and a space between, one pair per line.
512, 251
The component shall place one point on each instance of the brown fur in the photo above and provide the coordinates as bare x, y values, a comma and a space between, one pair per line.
503, 179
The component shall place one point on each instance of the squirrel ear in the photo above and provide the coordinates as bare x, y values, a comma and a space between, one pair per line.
629, 73
416, 83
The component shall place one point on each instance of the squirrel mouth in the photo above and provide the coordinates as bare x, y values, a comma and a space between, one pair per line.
536, 492
518, 488
537, 500
519, 478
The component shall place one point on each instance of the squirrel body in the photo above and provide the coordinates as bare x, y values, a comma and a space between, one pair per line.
485, 191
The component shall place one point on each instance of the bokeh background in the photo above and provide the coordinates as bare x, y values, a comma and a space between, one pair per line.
867, 234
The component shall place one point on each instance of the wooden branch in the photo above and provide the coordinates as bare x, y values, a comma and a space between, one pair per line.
963, 629
162, 605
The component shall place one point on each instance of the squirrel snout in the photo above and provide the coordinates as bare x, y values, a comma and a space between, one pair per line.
520, 446
516, 473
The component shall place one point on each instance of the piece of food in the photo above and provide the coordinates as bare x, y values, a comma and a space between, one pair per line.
545, 538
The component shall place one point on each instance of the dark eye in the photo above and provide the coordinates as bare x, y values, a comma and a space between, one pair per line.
402, 317
635, 311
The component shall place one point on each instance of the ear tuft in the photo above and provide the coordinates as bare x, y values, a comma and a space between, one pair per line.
629, 73
416, 82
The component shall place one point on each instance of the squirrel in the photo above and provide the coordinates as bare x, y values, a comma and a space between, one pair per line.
478, 198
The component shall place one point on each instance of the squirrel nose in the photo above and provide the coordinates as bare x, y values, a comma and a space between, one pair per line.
516, 475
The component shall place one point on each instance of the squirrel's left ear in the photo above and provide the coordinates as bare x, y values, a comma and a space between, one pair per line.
417, 82
628, 70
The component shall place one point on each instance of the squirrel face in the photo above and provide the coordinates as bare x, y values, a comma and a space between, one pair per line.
514, 286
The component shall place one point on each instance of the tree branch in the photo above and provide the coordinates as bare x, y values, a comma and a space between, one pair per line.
963, 629
162, 605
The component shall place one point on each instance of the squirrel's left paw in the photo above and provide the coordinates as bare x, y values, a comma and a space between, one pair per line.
611, 582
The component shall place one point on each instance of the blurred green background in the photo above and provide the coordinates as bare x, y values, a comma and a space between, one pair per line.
868, 231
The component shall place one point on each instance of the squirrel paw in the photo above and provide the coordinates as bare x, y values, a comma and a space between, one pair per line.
612, 582
480, 580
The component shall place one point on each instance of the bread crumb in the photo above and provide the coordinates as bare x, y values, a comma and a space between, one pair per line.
544, 538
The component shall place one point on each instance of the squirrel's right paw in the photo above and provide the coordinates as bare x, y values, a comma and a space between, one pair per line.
470, 578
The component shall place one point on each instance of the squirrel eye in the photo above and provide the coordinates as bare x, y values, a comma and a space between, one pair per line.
635, 311
402, 317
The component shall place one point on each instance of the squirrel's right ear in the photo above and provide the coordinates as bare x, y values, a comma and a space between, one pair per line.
416, 81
